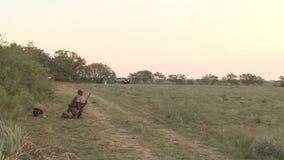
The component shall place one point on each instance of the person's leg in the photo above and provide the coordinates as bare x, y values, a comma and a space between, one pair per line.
80, 113
69, 109
74, 112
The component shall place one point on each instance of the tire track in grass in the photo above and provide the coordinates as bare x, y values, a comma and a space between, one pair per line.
119, 140
204, 152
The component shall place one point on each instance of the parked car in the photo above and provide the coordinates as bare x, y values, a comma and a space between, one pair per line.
122, 80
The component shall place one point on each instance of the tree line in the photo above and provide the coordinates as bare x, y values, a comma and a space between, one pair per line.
64, 65
146, 76
68, 66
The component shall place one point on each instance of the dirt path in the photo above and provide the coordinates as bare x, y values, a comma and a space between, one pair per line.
121, 138
205, 152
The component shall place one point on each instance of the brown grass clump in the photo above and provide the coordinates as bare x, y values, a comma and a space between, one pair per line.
31, 151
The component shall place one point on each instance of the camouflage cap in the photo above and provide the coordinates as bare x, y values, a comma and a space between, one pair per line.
80, 91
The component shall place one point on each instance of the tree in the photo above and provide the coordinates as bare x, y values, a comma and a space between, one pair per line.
282, 81
67, 66
231, 79
159, 77
98, 72
251, 79
177, 78
38, 55
20, 74
209, 79
144, 76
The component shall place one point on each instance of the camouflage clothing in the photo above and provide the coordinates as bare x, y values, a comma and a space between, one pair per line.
77, 99
76, 106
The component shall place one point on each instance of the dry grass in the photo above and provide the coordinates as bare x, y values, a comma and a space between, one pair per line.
162, 122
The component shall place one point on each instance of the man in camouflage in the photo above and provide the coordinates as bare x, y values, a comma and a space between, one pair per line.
77, 104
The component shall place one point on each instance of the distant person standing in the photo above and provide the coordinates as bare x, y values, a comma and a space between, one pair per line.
77, 104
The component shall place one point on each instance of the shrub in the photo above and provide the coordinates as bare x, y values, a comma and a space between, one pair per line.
19, 72
267, 146
23, 81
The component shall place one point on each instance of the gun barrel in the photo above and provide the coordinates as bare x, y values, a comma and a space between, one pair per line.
88, 97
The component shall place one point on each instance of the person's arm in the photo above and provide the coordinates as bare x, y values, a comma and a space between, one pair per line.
78, 102
82, 104
78, 105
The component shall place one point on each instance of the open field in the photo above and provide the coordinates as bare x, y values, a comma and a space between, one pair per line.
164, 122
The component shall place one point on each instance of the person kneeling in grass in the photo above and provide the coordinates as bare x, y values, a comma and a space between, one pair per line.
77, 104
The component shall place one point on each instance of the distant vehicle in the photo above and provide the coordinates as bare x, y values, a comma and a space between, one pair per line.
122, 80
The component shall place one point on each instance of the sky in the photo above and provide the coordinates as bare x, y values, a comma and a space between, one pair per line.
190, 37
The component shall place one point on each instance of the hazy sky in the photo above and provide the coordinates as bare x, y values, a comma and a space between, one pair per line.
191, 37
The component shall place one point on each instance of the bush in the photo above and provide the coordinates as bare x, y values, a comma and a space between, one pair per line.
23, 81
14, 106
268, 146
19, 72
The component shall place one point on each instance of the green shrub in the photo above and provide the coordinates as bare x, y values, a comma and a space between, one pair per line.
267, 146
23, 81
19, 72
12, 106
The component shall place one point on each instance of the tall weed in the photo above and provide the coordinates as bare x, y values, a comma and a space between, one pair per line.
14, 106
11, 138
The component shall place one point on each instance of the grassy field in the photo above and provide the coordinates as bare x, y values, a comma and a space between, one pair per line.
167, 122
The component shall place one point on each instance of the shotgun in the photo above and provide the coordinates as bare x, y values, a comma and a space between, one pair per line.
80, 110
87, 98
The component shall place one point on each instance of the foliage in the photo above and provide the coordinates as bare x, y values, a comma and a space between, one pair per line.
63, 66
268, 146
231, 79
38, 55
177, 78
251, 79
98, 72
190, 81
209, 79
159, 77
20, 74
11, 139
143, 76
67, 66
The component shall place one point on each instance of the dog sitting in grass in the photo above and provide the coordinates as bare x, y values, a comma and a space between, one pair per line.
37, 112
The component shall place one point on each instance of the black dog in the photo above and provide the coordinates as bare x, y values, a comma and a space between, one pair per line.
37, 112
